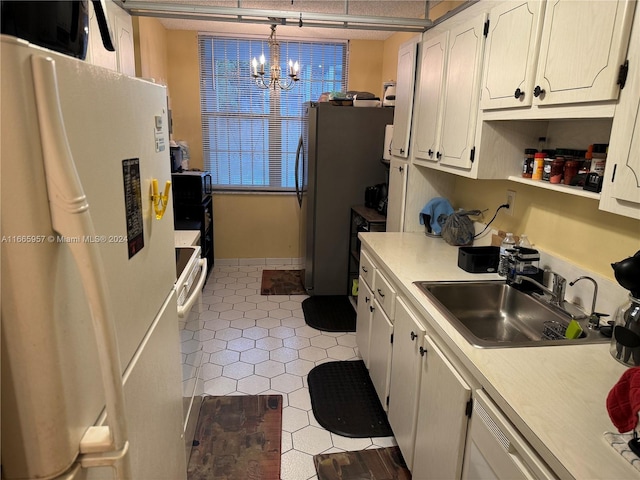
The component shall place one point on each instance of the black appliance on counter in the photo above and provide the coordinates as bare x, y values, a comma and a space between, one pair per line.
193, 208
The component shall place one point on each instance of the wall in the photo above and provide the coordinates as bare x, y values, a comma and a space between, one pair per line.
365, 66
246, 226
150, 43
564, 225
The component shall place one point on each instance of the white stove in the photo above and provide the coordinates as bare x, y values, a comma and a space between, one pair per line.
192, 273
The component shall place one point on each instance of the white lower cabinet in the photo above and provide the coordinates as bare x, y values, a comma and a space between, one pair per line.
442, 417
405, 378
380, 352
363, 322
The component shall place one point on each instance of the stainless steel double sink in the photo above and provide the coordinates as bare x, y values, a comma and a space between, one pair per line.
492, 314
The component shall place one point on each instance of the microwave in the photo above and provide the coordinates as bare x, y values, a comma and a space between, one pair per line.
191, 187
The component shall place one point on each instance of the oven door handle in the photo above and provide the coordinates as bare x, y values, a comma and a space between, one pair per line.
186, 306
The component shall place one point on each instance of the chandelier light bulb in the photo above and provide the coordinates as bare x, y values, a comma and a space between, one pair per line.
274, 80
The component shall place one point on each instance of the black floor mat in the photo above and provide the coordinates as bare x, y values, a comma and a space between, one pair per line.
345, 402
330, 313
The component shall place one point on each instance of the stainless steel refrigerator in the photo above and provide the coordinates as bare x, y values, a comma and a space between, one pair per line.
340, 154
91, 367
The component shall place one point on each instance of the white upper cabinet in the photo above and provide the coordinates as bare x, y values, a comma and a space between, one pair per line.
447, 102
621, 185
404, 99
397, 195
511, 54
461, 94
123, 59
428, 118
584, 43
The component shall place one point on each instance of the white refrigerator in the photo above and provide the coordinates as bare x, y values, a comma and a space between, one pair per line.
91, 366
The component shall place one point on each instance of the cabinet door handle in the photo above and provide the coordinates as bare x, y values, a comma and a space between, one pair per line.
402, 150
366, 299
423, 351
400, 169
438, 155
371, 309
413, 336
365, 270
380, 293
518, 94
430, 152
538, 91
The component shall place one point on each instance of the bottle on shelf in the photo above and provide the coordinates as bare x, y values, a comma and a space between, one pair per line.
506, 248
538, 166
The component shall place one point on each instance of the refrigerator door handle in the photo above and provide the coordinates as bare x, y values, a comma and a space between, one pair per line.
299, 152
197, 290
70, 217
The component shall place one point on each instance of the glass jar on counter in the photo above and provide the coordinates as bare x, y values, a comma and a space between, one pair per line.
557, 169
527, 164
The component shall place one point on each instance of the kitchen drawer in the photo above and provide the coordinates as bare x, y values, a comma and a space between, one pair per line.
367, 269
385, 294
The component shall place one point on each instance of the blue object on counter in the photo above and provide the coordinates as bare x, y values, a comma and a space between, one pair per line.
437, 209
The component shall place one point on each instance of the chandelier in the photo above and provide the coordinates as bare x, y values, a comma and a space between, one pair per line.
275, 80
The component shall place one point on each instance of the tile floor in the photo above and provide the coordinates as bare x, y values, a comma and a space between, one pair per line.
256, 344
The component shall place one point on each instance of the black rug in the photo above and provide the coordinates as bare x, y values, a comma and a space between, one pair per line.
345, 402
330, 313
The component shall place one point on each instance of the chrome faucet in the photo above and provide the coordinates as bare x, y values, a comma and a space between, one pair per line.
594, 318
559, 287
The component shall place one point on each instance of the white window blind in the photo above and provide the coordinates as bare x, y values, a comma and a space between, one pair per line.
250, 136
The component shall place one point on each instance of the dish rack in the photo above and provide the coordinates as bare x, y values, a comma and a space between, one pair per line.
553, 330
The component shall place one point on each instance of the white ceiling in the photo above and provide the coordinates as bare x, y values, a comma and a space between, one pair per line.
391, 9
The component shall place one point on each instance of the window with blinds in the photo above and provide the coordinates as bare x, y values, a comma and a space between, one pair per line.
250, 136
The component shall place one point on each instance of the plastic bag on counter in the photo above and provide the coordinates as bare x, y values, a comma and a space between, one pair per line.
458, 229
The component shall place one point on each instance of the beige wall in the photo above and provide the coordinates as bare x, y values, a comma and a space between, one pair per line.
568, 226
246, 226
150, 43
249, 226
365, 66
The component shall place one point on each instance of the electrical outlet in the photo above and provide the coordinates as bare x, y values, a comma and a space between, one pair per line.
511, 201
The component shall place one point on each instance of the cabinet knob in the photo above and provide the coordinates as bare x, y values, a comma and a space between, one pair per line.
538, 91
364, 270
380, 293
366, 299
413, 336
400, 169
438, 155
518, 94
402, 150
423, 351
430, 152
371, 309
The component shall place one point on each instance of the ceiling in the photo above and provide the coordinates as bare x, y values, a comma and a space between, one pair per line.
333, 19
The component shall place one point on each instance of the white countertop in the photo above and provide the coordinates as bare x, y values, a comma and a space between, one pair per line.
555, 396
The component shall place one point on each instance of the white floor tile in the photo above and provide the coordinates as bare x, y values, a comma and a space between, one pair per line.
256, 344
